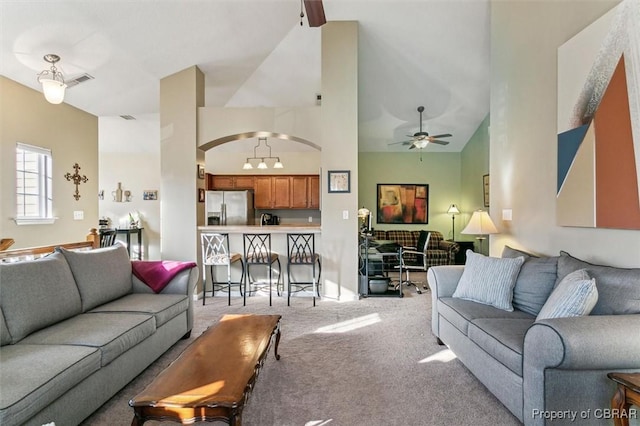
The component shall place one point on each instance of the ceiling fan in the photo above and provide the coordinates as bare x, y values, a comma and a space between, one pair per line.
422, 139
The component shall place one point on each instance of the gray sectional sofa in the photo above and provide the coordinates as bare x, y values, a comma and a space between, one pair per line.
545, 371
76, 327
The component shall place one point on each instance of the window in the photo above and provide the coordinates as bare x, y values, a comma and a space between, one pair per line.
34, 199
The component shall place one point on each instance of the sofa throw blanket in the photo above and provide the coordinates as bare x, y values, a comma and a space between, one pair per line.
158, 273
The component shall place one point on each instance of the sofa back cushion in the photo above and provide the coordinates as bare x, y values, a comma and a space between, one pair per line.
535, 281
102, 274
379, 234
434, 240
5, 337
35, 294
618, 288
403, 237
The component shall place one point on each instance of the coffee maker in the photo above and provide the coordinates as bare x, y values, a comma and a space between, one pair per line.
269, 219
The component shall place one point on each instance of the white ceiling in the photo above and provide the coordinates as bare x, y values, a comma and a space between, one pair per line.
255, 53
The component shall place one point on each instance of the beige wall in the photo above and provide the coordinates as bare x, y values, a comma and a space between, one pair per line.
441, 171
72, 136
525, 36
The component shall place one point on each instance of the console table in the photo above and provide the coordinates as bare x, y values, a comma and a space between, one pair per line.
373, 257
128, 232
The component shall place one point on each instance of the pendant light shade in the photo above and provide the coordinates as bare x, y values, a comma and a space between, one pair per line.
52, 80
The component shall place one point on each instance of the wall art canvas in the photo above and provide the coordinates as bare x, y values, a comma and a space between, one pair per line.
598, 181
403, 203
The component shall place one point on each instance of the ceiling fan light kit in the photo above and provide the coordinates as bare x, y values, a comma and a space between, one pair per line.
52, 80
421, 139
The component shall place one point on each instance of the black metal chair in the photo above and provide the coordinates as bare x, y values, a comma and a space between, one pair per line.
257, 251
107, 237
301, 249
415, 259
215, 252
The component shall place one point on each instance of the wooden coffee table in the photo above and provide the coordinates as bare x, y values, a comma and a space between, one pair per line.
211, 380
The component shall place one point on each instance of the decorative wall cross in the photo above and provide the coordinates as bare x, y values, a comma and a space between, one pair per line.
77, 180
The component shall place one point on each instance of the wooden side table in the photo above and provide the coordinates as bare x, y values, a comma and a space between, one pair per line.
627, 393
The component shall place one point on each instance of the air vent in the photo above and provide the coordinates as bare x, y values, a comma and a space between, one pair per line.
79, 79
128, 117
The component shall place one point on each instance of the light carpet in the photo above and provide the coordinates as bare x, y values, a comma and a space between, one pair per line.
367, 362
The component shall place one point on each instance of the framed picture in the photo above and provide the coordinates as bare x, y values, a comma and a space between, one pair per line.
150, 195
403, 203
485, 187
201, 195
339, 180
200, 171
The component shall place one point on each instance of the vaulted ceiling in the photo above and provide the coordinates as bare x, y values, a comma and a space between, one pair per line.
255, 53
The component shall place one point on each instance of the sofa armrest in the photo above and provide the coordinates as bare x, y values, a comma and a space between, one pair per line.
451, 247
582, 343
183, 283
589, 347
442, 281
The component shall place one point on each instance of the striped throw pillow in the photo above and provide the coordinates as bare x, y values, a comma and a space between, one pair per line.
489, 280
575, 296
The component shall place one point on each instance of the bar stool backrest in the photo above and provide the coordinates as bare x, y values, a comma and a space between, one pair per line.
257, 248
107, 237
215, 248
301, 248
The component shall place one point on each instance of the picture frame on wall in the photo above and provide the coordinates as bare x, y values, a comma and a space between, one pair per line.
200, 171
201, 195
339, 181
403, 203
485, 188
150, 194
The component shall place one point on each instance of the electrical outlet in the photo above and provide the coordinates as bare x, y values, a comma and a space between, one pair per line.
310, 219
78, 215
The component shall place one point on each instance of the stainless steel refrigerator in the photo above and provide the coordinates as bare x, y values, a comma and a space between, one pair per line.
230, 208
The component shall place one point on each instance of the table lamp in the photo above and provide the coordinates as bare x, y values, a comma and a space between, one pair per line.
453, 211
365, 214
480, 224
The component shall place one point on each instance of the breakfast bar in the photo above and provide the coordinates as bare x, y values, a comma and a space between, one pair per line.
278, 246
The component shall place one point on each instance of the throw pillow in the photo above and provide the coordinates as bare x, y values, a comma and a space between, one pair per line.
535, 281
489, 280
618, 288
575, 296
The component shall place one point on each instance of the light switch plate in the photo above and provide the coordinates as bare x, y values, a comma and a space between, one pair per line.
345, 214
506, 214
78, 215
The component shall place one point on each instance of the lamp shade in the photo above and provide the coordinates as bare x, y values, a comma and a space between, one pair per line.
480, 224
53, 90
453, 209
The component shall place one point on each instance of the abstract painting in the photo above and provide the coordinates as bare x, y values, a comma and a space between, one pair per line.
399, 203
598, 181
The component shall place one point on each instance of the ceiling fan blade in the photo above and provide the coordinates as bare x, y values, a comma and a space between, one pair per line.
412, 146
315, 13
439, 142
444, 135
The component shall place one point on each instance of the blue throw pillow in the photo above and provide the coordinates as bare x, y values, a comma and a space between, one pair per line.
575, 296
489, 280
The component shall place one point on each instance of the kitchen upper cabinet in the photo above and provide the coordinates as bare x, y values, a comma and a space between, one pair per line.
262, 192
227, 182
273, 191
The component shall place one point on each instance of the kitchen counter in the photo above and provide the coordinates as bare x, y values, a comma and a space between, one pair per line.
273, 229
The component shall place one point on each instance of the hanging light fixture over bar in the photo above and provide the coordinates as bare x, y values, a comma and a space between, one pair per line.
262, 165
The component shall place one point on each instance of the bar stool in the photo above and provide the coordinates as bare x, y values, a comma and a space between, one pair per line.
302, 252
257, 251
215, 252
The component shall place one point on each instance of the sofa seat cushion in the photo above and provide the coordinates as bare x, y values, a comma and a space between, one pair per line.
102, 275
460, 312
163, 307
112, 333
502, 339
36, 294
52, 370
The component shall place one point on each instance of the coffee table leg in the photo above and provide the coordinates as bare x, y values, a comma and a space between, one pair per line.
137, 421
277, 341
619, 403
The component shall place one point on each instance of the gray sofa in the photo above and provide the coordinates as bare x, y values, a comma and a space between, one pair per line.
549, 370
76, 327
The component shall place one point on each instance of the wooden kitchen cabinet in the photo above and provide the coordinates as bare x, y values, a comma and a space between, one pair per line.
273, 191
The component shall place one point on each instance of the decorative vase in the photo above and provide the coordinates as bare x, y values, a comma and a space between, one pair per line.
117, 194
